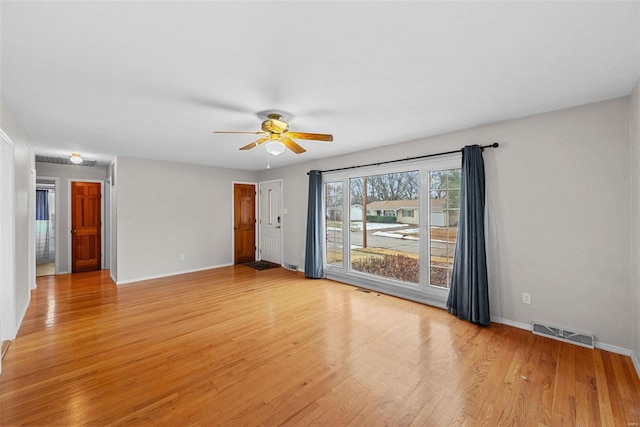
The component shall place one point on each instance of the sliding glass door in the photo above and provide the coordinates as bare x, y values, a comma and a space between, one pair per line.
394, 226
384, 230
333, 209
444, 212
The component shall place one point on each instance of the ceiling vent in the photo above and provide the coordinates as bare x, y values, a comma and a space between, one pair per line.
578, 338
61, 161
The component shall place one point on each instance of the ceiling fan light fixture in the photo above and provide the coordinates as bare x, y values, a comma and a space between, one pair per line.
75, 158
275, 147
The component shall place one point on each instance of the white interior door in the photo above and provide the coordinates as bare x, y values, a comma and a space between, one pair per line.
271, 221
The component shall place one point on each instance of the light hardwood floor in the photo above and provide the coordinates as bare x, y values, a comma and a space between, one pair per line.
236, 346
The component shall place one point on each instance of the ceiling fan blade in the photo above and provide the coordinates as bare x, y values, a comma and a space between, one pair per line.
232, 131
288, 142
312, 136
255, 143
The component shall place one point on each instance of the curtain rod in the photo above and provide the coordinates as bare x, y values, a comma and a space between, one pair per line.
482, 147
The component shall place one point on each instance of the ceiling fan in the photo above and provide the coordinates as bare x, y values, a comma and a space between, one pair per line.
278, 138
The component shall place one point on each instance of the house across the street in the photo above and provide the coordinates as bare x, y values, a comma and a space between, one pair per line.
407, 212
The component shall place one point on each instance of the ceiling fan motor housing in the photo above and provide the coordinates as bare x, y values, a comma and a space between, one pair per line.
274, 125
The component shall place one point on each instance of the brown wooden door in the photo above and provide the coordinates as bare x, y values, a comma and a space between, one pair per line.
244, 222
86, 225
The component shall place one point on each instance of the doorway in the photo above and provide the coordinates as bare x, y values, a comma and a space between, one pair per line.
86, 226
271, 221
244, 223
45, 233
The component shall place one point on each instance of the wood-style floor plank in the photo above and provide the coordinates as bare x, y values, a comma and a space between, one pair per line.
236, 346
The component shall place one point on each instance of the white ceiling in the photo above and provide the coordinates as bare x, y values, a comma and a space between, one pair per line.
154, 79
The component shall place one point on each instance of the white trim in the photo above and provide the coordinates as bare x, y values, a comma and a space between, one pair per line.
519, 325
599, 345
106, 224
372, 283
31, 231
613, 348
423, 290
8, 327
56, 185
113, 224
282, 221
103, 218
255, 227
176, 273
57, 224
24, 313
6, 139
636, 363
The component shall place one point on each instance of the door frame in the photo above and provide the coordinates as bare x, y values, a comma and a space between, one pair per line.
282, 223
233, 211
56, 186
32, 230
103, 220
8, 328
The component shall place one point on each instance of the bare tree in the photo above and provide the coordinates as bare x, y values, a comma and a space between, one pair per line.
393, 186
356, 187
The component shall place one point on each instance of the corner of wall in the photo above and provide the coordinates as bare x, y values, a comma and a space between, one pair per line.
634, 142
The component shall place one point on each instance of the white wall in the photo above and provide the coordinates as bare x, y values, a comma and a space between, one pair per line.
113, 247
634, 134
66, 173
16, 295
165, 210
559, 188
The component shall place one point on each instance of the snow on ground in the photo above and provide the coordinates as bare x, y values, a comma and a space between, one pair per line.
372, 226
399, 235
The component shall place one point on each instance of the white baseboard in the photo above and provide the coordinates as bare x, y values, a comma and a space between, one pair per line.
613, 348
508, 322
175, 273
21, 317
636, 363
599, 345
519, 325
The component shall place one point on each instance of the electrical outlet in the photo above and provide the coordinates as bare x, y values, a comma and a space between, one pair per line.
181, 257
526, 298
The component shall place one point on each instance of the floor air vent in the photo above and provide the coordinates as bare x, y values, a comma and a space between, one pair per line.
578, 338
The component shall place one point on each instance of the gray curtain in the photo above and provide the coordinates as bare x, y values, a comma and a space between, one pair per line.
43, 227
469, 293
313, 268
42, 205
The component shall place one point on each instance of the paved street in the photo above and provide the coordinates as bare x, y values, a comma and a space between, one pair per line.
409, 246
439, 248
